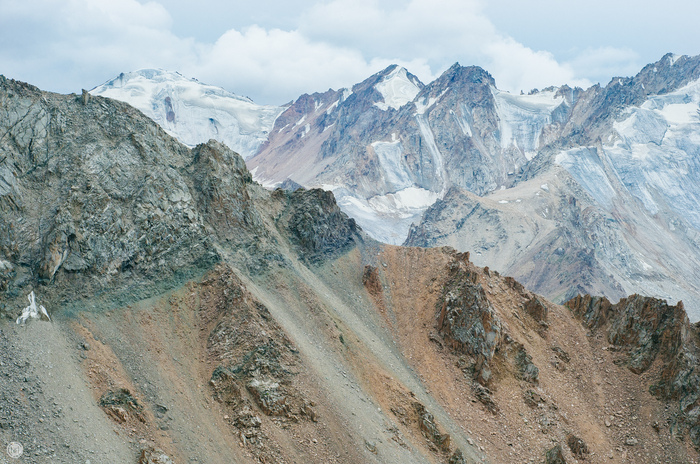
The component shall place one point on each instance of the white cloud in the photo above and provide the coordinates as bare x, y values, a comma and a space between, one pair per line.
69, 44
603, 63
516, 67
278, 65
439, 31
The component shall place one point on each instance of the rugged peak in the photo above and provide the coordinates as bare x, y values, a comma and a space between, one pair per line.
153, 74
667, 74
467, 74
397, 87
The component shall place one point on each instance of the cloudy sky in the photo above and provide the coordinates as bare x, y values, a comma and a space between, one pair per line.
275, 50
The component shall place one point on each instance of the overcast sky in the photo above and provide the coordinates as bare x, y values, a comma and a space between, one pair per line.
275, 50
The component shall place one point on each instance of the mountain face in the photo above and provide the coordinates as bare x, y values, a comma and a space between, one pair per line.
193, 112
387, 163
568, 190
198, 317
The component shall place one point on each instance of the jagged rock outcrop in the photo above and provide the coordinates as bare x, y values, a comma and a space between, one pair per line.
469, 323
316, 224
649, 329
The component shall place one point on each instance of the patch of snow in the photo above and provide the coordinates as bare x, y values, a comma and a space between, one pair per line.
387, 217
397, 89
503, 202
462, 120
391, 162
673, 58
680, 113
422, 106
307, 129
545, 187
32, 311
301, 121
346, 94
587, 168
332, 107
194, 112
266, 183
523, 117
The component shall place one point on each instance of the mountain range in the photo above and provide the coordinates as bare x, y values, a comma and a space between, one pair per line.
568, 190
196, 316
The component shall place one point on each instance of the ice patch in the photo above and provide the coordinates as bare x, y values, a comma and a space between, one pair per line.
545, 187
656, 155
32, 311
332, 106
391, 162
397, 89
587, 168
422, 106
194, 112
523, 117
387, 217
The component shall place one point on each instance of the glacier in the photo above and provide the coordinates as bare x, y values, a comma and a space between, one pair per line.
397, 89
523, 117
194, 112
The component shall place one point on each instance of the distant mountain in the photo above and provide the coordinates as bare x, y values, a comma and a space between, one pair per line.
388, 156
569, 190
194, 112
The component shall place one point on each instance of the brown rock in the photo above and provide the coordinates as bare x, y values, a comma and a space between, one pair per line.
555, 456
577, 446
154, 456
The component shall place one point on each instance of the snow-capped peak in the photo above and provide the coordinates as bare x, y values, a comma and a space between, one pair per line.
397, 88
194, 112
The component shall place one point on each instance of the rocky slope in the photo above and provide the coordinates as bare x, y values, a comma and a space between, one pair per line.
197, 317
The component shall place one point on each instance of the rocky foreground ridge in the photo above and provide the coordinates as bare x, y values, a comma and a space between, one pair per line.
197, 317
